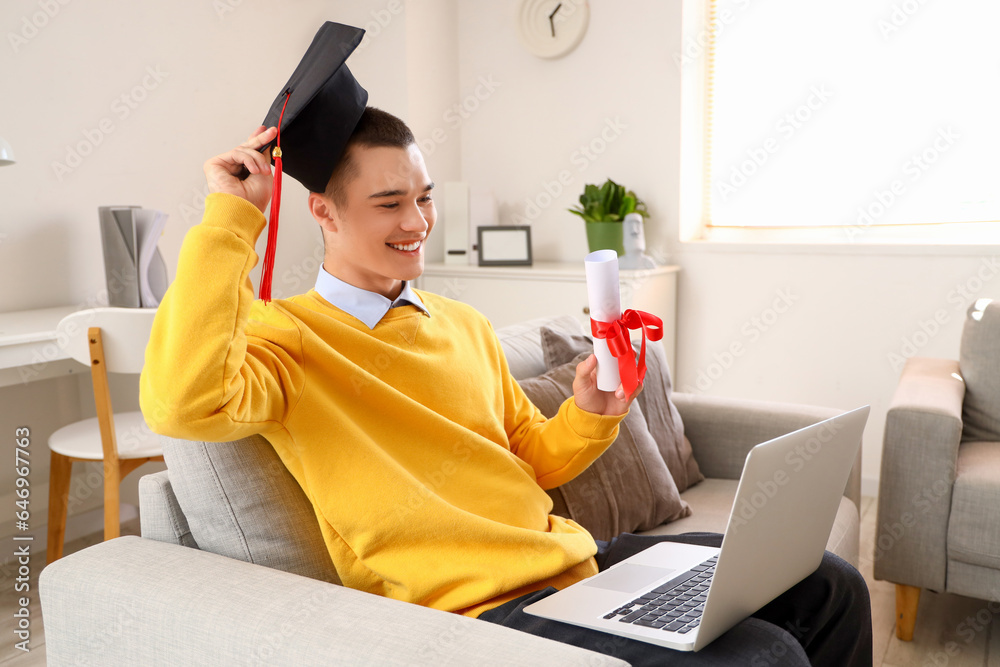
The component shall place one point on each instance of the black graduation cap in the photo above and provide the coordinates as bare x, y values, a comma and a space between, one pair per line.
315, 113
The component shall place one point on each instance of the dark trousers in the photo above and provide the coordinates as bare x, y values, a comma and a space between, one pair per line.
824, 620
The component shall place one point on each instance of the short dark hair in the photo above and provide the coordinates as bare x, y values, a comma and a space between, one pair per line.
375, 128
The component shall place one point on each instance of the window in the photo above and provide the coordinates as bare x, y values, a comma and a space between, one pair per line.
853, 120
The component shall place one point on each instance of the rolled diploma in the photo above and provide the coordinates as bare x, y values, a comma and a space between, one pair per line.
605, 306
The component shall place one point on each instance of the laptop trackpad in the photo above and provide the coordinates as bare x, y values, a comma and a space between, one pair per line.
628, 578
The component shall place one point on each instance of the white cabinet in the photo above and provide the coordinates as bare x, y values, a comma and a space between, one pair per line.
510, 294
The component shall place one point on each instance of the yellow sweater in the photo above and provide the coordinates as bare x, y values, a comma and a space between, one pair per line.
423, 459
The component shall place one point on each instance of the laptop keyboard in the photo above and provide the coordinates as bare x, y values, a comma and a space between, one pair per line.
676, 605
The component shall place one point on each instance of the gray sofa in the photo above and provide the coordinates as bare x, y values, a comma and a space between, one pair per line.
231, 567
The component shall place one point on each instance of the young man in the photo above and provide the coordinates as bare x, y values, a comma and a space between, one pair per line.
365, 402
395, 411
365, 387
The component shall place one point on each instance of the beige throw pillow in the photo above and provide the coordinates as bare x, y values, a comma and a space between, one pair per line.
628, 488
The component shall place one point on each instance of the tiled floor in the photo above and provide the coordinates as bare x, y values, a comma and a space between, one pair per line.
943, 634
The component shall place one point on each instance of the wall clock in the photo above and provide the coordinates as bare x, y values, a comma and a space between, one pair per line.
552, 28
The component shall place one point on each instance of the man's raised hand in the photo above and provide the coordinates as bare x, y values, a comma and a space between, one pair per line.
222, 171
591, 399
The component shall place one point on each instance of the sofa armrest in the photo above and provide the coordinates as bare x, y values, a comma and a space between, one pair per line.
160, 516
722, 431
136, 601
923, 430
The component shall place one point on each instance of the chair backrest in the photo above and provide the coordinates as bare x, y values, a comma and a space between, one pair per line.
107, 340
125, 333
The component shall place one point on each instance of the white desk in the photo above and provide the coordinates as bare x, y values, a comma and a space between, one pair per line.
29, 349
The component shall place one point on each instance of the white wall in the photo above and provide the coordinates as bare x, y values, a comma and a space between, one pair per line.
432, 84
608, 109
853, 318
849, 311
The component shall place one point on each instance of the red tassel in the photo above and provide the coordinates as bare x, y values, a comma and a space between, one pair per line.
272, 223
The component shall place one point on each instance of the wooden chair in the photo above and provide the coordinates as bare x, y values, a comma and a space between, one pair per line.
109, 340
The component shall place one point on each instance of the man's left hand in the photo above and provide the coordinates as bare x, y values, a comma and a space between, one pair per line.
591, 399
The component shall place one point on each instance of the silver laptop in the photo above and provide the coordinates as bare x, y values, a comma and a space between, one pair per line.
683, 596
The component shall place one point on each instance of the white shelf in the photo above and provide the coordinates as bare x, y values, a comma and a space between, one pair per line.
510, 294
539, 270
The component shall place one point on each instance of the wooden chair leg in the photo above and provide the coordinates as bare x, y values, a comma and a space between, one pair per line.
907, 600
60, 472
112, 484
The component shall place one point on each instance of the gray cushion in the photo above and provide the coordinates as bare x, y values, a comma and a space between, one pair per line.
973, 529
974, 581
240, 501
662, 418
628, 488
712, 501
979, 360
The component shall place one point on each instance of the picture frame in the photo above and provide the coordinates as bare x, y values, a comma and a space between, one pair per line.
504, 245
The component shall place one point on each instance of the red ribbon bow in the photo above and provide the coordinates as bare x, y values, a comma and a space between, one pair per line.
620, 344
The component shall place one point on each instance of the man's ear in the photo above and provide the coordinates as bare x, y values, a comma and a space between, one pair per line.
324, 211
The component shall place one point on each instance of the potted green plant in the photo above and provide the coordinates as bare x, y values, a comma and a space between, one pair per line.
603, 209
